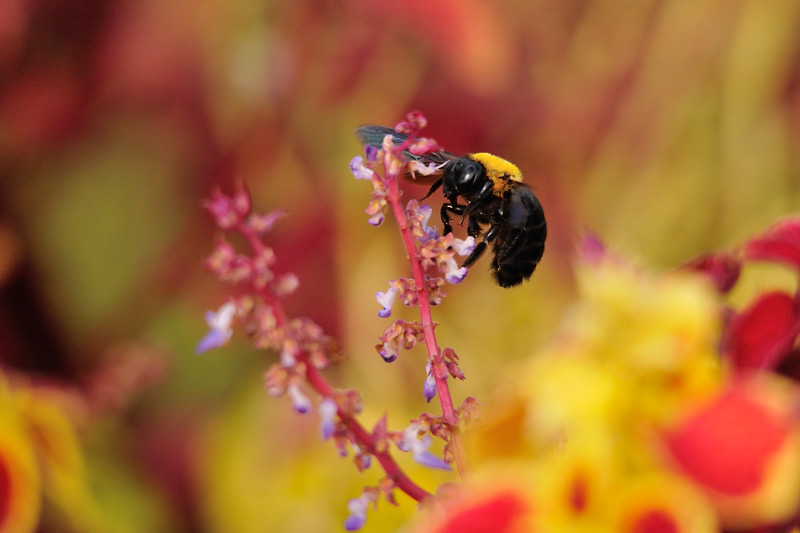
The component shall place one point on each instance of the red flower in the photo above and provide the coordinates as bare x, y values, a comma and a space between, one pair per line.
763, 334
741, 449
655, 521
780, 243
723, 269
726, 445
500, 512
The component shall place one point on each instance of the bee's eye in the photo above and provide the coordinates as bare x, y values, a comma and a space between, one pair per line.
467, 172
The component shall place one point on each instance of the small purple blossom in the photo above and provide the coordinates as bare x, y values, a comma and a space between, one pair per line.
327, 414
386, 300
364, 460
419, 447
289, 351
418, 216
376, 219
399, 333
376, 209
358, 513
429, 389
359, 170
423, 456
463, 247
300, 402
424, 211
453, 274
389, 352
220, 330
371, 152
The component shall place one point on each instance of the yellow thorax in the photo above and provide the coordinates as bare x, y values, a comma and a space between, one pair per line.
497, 167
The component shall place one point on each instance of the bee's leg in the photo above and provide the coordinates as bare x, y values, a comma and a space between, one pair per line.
483, 194
473, 227
476, 254
436, 185
481, 246
453, 207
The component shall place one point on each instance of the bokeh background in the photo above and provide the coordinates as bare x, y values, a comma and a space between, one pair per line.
666, 127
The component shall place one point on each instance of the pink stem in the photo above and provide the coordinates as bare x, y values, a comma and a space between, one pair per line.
315, 378
449, 414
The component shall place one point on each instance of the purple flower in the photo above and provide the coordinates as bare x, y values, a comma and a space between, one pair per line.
364, 459
300, 402
219, 324
453, 274
386, 300
424, 213
419, 448
376, 219
418, 216
463, 247
423, 456
327, 413
358, 513
429, 389
288, 353
358, 169
389, 352
371, 152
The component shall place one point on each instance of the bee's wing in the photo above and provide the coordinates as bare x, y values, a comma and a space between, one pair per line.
371, 135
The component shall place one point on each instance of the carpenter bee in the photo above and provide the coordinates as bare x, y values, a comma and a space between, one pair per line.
499, 208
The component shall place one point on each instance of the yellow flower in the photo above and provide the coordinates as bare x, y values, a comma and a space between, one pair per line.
585, 415
41, 459
53, 436
658, 336
497, 500
661, 501
20, 499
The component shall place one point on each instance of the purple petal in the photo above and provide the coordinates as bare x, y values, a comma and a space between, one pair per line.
453, 274
213, 339
371, 152
327, 413
300, 402
386, 300
354, 522
429, 389
359, 170
463, 247
426, 458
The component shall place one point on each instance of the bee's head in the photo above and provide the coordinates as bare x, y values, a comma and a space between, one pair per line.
463, 175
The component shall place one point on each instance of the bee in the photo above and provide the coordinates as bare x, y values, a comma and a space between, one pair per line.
499, 208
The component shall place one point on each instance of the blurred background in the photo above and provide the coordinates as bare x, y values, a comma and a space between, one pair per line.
669, 128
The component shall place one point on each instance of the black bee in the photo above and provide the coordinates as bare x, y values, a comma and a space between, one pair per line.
494, 197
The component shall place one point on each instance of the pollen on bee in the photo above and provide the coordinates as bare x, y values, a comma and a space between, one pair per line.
497, 167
